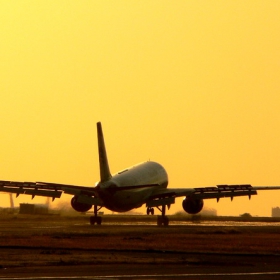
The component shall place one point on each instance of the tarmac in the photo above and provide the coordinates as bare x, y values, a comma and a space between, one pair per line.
43, 247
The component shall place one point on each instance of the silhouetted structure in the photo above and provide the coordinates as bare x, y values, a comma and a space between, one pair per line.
25, 208
275, 212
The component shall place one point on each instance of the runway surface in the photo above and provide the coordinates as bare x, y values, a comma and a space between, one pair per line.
145, 272
68, 248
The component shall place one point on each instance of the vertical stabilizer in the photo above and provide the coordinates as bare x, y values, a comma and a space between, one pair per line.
105, 174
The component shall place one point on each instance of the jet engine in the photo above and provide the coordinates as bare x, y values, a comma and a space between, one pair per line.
192, 206
78, 206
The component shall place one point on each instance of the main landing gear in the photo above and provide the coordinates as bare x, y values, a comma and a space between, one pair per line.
162, 220
150, 210
95, 219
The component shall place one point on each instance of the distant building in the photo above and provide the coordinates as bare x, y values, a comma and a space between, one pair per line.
33, 209
275, 212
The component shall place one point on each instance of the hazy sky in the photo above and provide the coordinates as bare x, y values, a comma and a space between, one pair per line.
193, 85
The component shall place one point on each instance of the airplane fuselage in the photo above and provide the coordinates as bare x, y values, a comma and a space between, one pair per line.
116, 197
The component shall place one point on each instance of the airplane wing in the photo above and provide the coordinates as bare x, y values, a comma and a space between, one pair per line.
55, 190
52, 190
160, 196
215, 192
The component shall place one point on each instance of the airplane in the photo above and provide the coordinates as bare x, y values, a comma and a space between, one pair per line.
144, 183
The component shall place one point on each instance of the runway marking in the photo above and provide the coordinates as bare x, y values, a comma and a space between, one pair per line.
144, 276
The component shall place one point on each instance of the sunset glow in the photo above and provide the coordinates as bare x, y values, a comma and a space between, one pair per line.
193, 85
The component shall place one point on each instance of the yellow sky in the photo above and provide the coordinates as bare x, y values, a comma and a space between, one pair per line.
193, 85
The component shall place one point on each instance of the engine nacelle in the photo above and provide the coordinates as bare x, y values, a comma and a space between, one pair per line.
78, 206
192, 206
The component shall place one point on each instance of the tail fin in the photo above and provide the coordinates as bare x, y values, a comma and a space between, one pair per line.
105, 174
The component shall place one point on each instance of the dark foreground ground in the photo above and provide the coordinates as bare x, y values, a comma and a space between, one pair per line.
135, 248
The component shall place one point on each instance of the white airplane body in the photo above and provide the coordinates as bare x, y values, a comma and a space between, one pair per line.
117, 197
145, 183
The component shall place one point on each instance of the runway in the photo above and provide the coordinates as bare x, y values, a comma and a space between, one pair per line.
68, 248
126, 271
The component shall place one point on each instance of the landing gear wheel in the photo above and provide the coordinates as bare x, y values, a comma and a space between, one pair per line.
95, 220
92, 220
165, 221
150, 210
98, 220
162, 221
